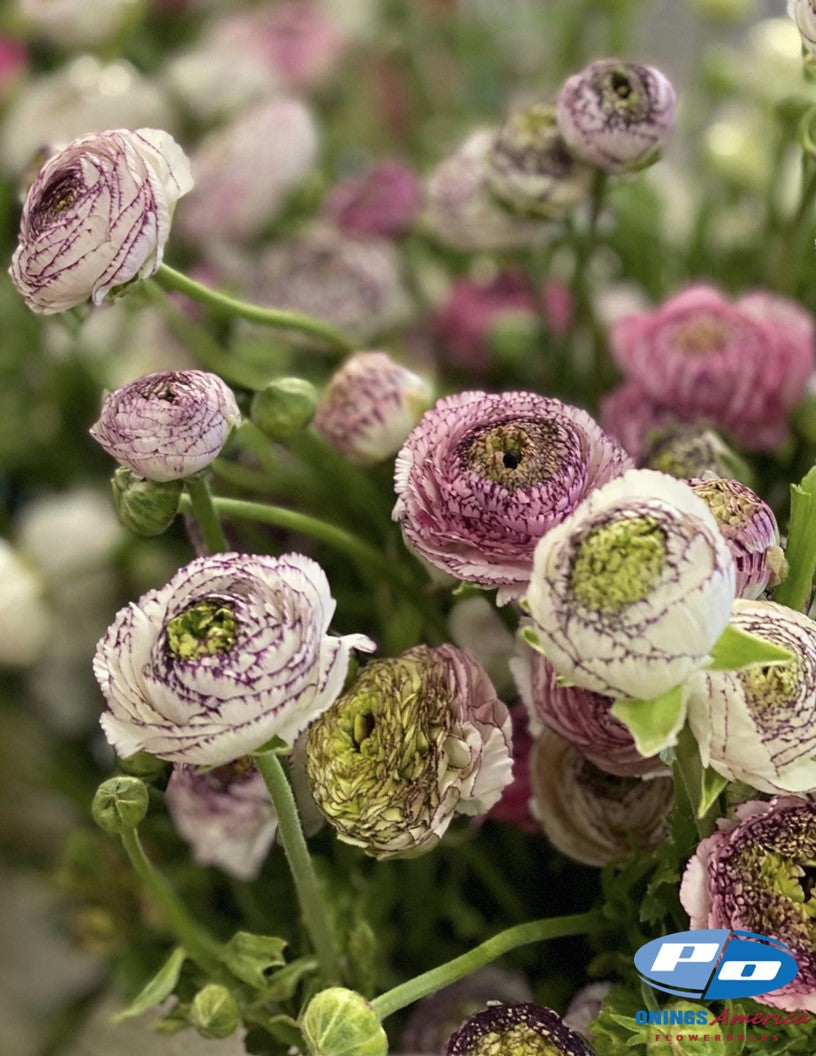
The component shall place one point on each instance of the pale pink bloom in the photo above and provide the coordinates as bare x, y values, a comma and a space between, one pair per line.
14, 62
485, 475
384, 201
754, 874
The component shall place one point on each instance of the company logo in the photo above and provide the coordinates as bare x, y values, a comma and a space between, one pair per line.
716, 964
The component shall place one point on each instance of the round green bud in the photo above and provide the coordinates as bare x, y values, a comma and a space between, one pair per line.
120, 804
143, 765
340, 1022
146, 507
284, 408
214, 1012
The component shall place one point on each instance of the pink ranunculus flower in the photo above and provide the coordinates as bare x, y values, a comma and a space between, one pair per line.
384, 201
168, 425
369, 407
485, 475
754, 874
97, 217
225, 814
630, 415
579, 716
741, 366
233, 651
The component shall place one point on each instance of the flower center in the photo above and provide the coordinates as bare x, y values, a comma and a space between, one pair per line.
702, 336
773, 686
519, 1040
728, 506
207, 628
57, 196
515, 455
618, 563
621, 92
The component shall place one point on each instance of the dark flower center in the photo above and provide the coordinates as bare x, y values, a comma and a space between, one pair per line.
514, 455
56, 197
207, 628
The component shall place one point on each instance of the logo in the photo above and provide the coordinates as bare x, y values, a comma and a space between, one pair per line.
716, 964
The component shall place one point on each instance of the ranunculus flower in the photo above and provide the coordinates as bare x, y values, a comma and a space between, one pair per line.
244, 171
415, 740
530, 168
384, 201
168, 425
77, 23
460, 210
755, 874
225, 814
631, 592
590, 815
688, 451
516, 1030
231, 652
616, 115
580, 716
740, 366
759, 725
484, 476
370, 406
750, 529
97, 217
24, 616
633, 417
803, 13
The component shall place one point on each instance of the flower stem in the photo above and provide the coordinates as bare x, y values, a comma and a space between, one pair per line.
521, 935
581, 292
291, 837
203, 509
200, 946
222, 304
688, 771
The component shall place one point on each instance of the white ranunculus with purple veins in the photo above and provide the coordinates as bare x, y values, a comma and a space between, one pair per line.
369, 407
630, 593
168, 425
616, 115
225, 814
803, 13
97, 217
759, 725
484, 476
233, 651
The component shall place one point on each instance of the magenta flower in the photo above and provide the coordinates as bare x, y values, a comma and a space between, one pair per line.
97, 217
740, 366
755, 874
14, 61
169, 425
617, 115
579, 716
225, 814
370, 406
514, 805
484, 476
385, 201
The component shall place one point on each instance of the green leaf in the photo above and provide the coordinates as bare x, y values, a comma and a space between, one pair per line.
654, 723
736, 649
711, 785
530, 636
158, 988
800, 551
250, 956
281, 985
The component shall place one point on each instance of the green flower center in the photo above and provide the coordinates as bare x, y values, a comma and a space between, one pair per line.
618, 563
518, 1040
515, 455
728, 506
207, 628
773, 686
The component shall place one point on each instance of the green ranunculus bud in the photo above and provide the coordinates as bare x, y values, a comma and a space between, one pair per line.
120, 804
146, 507
143, 765
214, 1012
340, 1022
284, 408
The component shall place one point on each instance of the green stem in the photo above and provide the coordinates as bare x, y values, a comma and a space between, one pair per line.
291, 837
688, 770
222, 304
580, 284
521, 935
200, 946
201, 503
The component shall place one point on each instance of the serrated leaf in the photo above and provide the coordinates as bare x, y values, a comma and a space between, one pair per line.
249, 956
736, 649
654, 724
712, 785
157, 989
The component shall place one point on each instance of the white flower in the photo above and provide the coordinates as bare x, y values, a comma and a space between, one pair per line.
232, 651
631, 592
97, 217
759, 725
803, 13
24, 615
169, 425
77, 23
70, 534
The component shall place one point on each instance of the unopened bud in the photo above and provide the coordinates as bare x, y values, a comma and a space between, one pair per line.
284, 408
214, 1012
146, 507
120, 804
340, 1022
